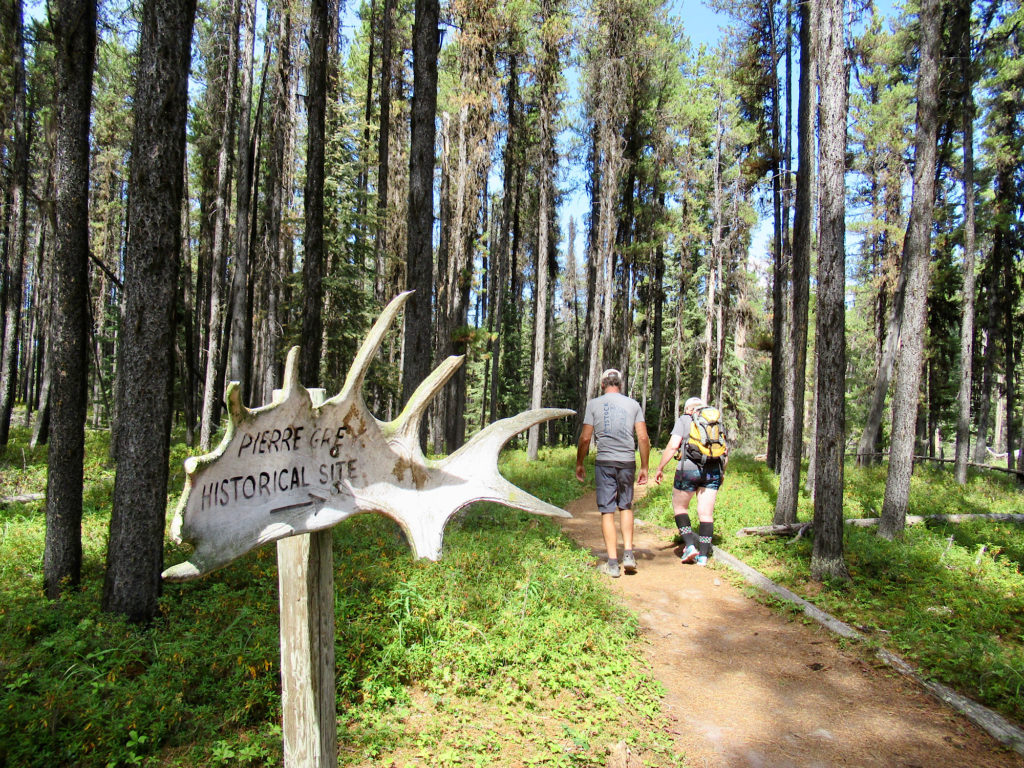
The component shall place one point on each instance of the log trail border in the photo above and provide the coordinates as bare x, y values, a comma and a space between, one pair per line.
997, 726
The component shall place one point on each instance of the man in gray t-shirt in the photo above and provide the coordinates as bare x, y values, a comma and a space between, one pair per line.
611, 419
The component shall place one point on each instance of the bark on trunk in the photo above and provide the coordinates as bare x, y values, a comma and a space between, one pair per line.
240, 345
146, 373
827, 559
277, 201
549, 65
419, 258
793, 425
917, 258
781, 365
74, 28
212, 393
963, 424
381, 242
716, 259
313, 242
18, 234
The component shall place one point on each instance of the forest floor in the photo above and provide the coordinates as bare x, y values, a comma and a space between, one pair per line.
749, 687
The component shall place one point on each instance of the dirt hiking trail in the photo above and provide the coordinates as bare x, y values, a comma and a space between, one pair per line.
750, 688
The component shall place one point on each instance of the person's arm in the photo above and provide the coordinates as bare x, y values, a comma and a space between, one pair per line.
666, 456
582, 449
644, 442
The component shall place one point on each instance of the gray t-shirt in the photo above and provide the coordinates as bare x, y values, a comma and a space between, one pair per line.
613, 415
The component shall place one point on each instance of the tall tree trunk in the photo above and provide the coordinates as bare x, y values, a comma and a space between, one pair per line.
145, 382
827, 558
717, 217
189, 361
212, 393
592, 324
74, 30
510, 159
963, 424
780, 328
45, 280
18, 236
986, 389
363, 179
277, 182
916, 259
658, 387
416, 362
1008, 258
239, 344
546, 77
381, 242
793, 415
313, 242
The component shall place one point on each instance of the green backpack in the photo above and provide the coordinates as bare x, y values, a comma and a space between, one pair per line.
707, 437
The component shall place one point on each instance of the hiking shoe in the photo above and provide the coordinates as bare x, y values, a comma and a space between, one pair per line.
629, 563
609, 569
689, 554
701, 560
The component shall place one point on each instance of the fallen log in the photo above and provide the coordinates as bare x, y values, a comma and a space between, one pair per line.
941, 460
801, 529
22, 498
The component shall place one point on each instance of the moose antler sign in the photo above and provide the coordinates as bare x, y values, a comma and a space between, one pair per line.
303, 464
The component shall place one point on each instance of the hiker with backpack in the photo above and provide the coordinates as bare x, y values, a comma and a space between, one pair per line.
699, 438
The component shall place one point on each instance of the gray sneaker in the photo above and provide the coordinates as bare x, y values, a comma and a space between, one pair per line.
629, 563
609, 569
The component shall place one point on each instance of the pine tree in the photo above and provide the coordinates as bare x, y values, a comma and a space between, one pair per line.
146, 372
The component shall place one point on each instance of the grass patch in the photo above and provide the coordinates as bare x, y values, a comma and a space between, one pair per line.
509, 649
949, 597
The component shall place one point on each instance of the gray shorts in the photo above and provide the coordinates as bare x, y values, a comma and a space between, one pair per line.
614, 487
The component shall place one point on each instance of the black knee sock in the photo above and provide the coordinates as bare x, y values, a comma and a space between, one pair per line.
683, 524
705, 531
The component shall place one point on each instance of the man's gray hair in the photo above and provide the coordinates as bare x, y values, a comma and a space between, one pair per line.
611, 378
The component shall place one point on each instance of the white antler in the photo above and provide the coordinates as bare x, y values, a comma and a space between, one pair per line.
291, 467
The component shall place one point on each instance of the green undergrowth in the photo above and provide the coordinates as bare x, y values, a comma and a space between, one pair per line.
508, 651
949, 597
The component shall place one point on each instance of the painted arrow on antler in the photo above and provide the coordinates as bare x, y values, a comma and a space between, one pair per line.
293, 467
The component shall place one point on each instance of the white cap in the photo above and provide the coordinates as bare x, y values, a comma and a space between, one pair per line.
693, 402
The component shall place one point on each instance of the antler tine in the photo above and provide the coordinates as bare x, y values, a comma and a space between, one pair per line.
492, 439
510, 495
291, 374
407, 425
357, 371
235, 407
185, 571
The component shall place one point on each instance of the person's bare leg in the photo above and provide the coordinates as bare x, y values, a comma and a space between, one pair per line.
626, 524
706, 504
611, 536
681, 501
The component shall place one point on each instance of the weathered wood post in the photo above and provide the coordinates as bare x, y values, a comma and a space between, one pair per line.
292, 470
305, 578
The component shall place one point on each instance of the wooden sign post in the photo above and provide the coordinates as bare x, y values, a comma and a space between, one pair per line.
292, 470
